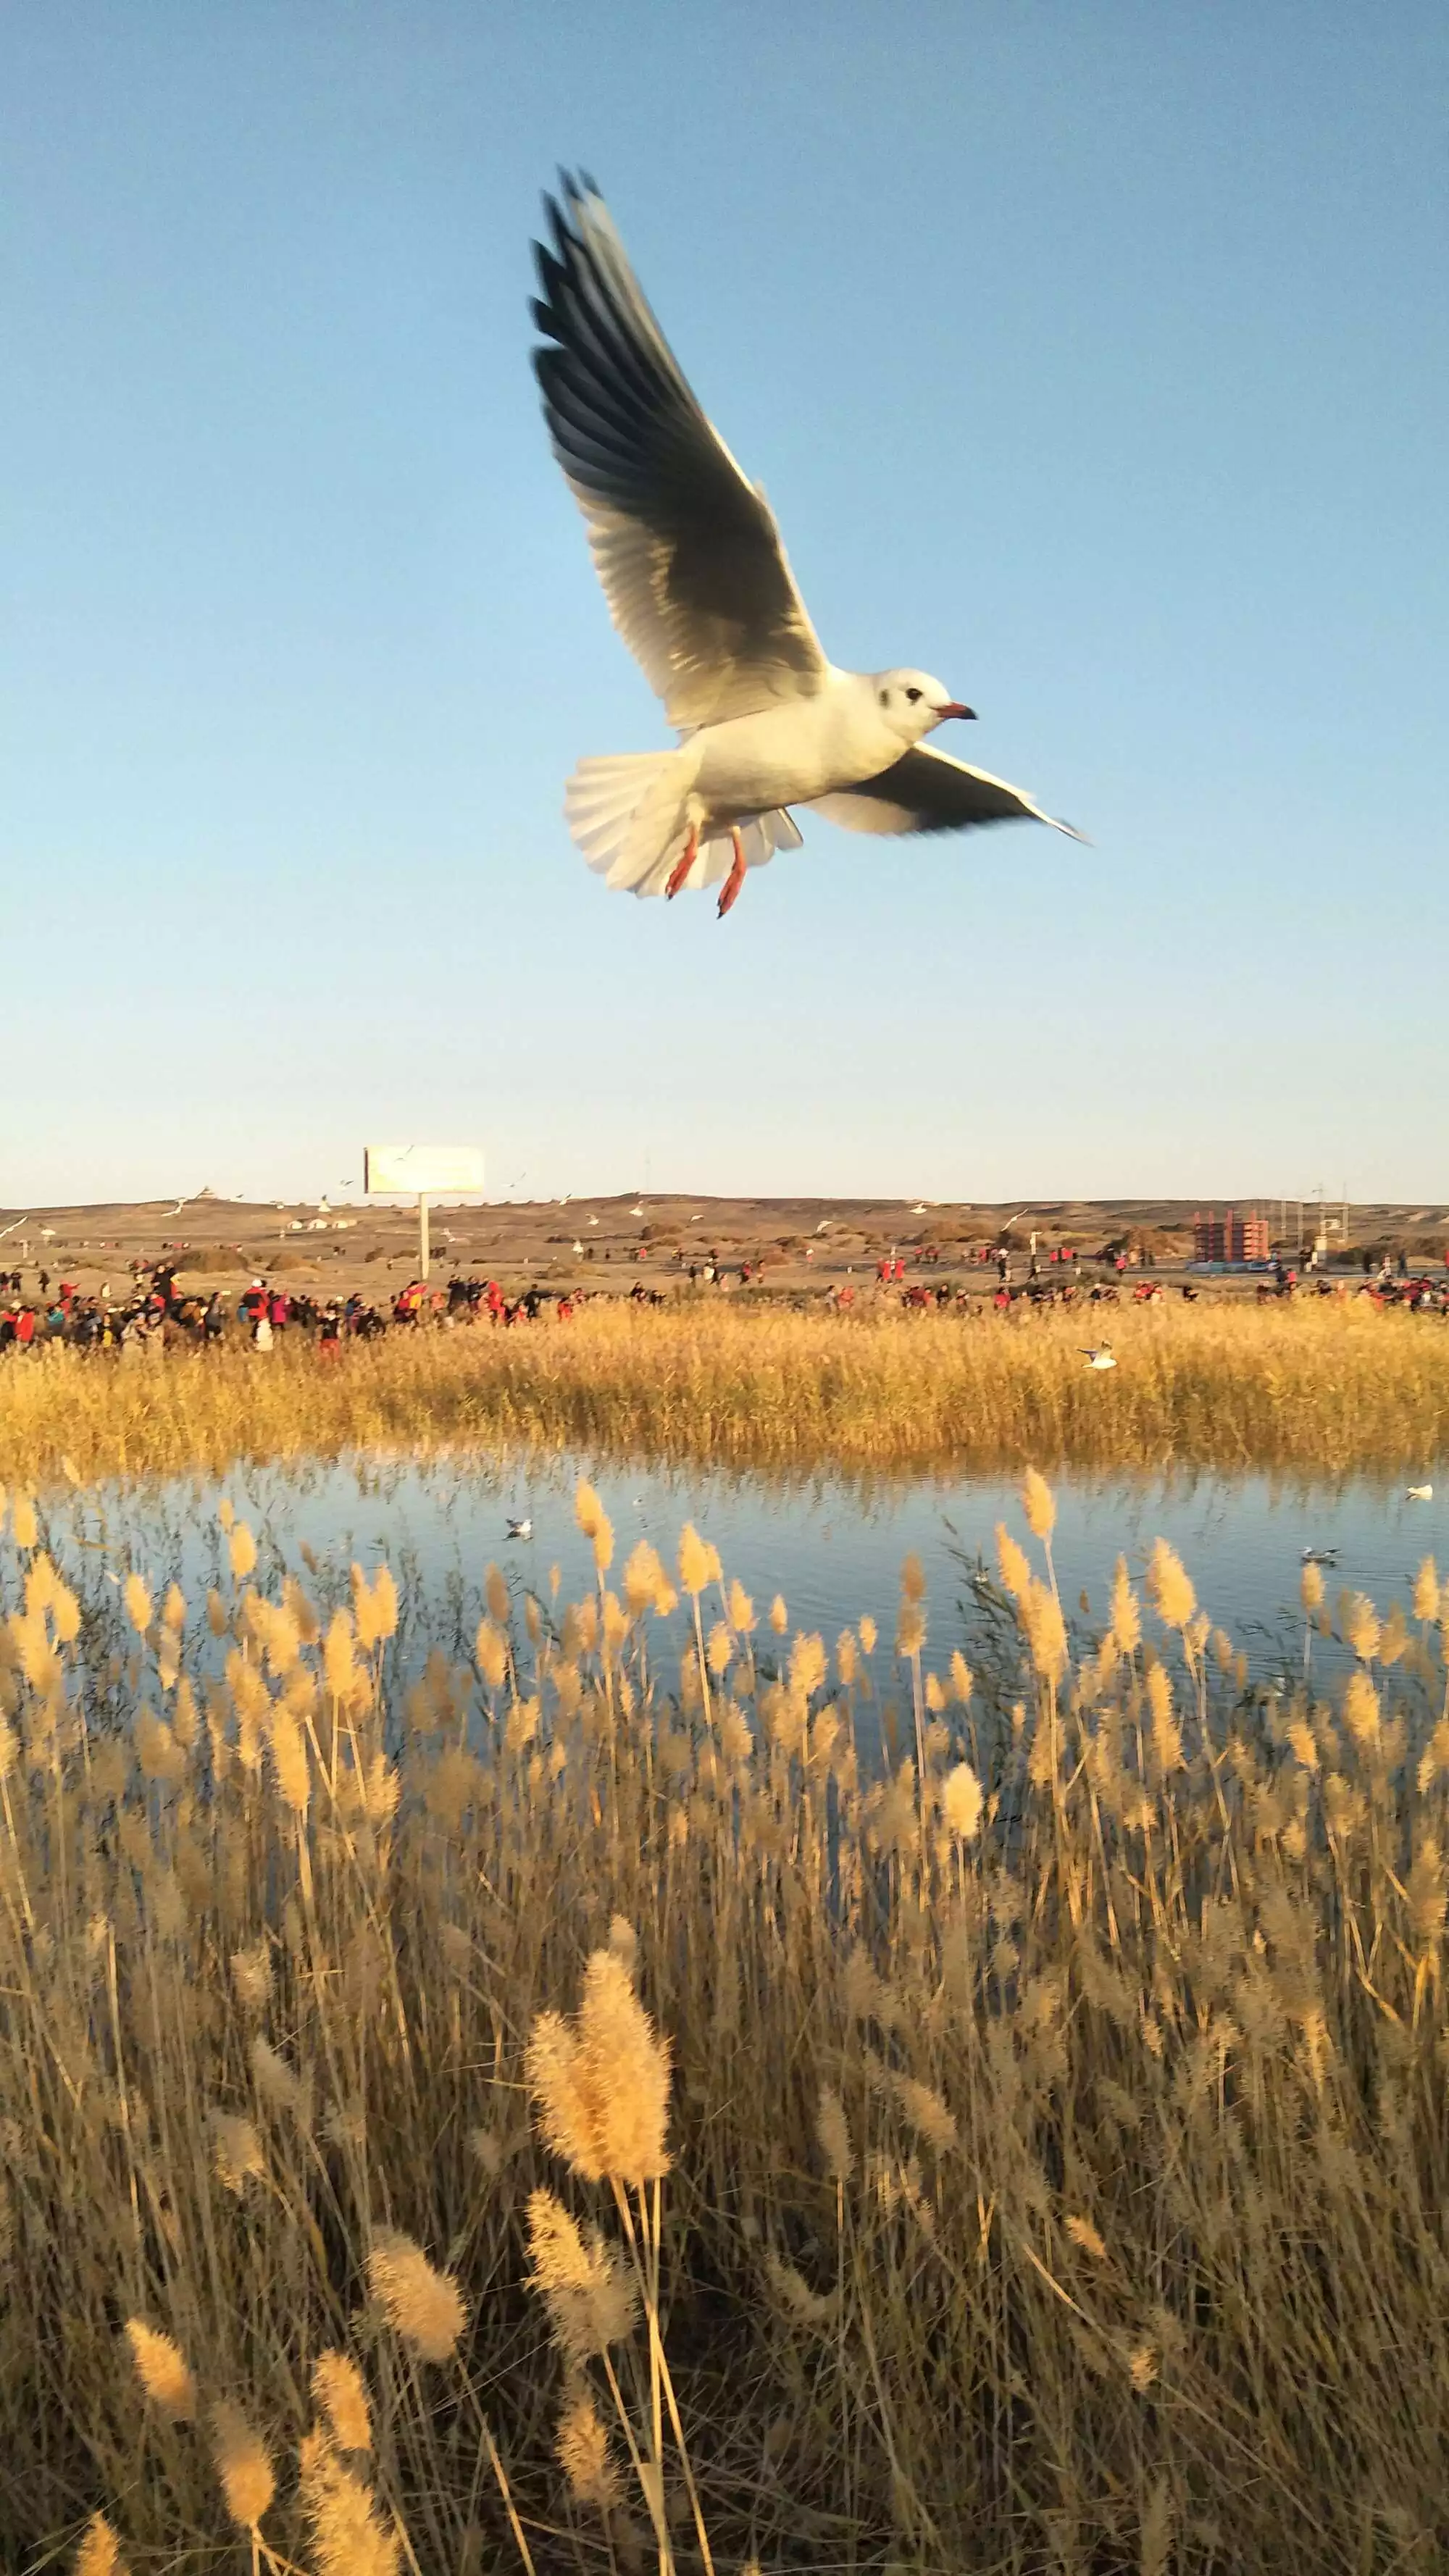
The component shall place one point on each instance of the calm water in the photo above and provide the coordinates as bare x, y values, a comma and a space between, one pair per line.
833, 1548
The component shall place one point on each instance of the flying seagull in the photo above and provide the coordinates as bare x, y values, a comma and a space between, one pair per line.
1418, 1493
520, 1529
1100, 1359
700, 589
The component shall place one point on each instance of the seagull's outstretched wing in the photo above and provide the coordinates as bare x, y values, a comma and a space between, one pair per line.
687, 549
927, 791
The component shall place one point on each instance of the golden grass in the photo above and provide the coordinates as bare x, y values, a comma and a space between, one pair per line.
1054, 2116
1323, 1386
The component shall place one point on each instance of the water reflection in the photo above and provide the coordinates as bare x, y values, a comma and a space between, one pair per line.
831, 1545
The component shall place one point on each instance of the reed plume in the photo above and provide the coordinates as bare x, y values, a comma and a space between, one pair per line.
1170, 1585
833, 2132
163, 2371
337, 2387
1012, 1564
424, 2307
242, 2464
584, 2454
99, 2553
241, 1552
961, 1802
590, 2300
236, 2151
601, 2084
694, 1569
347, 2537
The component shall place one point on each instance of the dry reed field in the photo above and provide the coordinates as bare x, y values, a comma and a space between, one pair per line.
1322, 1385
568, 2112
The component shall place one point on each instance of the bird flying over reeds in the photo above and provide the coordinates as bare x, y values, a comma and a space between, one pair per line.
699, 587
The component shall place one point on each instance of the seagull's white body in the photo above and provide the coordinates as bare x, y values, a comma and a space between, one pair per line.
632, 813
1102, 1359
1419, 1494
700, 589
792, 754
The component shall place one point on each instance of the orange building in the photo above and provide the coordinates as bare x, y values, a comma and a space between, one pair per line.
1231, 1237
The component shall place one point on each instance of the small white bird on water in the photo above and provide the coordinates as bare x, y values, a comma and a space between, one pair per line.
1100, 1359
700, 589
1418, 1494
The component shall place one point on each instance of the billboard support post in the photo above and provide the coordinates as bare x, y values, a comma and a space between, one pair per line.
423, 1172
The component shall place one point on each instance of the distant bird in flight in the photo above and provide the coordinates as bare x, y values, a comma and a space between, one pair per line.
699, 587
1418, 1493
1100, 1359
520, 1529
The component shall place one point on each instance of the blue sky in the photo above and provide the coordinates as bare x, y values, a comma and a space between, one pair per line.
1094, 356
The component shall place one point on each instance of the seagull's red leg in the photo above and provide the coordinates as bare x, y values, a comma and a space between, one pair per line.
729, 891
678, 875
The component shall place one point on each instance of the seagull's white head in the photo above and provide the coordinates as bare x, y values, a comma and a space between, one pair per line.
913, 704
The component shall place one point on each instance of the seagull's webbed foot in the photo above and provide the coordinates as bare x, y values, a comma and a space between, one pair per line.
683, 866
730, 890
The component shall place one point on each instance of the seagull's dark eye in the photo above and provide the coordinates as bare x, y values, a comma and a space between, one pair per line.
913, 695
885, 697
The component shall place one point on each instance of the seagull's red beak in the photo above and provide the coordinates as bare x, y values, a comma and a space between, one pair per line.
953, 707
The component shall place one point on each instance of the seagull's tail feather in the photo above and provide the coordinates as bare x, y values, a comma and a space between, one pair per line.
627, 812
761, 836
630, 815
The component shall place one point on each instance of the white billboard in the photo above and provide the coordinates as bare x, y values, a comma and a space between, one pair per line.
415, 1169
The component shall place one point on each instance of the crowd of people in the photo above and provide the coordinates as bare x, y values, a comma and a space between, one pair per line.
156, 1313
